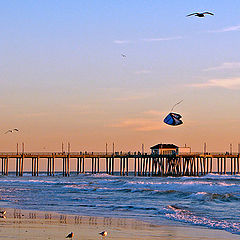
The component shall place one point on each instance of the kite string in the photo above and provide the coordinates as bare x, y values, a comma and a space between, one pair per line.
176, 105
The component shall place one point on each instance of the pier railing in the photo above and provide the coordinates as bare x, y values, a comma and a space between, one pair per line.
120, 153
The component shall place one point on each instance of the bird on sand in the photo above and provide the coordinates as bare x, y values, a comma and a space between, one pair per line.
200, 14
104, 233
70, 235
11, 130
123, 55
3, 212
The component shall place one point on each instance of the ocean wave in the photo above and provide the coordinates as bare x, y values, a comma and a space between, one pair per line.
154, 192
27, 181
204, 196
100, 175
186, 186
133, 207
166, 192
184, 215
214, 176
214, 197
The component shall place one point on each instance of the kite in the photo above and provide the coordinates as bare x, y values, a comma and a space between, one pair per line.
173, 119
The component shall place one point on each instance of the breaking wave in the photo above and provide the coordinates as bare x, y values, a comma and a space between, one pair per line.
186, 216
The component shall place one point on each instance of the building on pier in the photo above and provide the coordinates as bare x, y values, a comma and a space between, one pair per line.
184, 150
164, 149
169, 149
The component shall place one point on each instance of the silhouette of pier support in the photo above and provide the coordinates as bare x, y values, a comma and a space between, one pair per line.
80, 165
51, 166
95, 165
124, 166
19, 165
141, 164
110, 165
66, 166
35, 166
5, 164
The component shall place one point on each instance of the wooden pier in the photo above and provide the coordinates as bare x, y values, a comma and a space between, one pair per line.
141, 164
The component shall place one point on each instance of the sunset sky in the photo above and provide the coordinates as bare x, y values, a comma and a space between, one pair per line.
63, 78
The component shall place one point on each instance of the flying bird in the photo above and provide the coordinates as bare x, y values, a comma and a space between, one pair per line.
123, 55
173, 119
104, 233
11, 130
8, 131
70, 235
200, 14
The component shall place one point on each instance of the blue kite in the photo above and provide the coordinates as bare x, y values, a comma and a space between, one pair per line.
173, 119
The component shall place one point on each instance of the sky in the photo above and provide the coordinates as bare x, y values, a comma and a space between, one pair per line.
63, 78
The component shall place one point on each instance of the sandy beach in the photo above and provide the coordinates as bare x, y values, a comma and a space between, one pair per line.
20, 224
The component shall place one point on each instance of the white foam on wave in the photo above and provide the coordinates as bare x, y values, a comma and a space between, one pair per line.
215, 176
189, 186
101, 175
40, 181
82, 186
227, 184
171, 182
201, 193
188, 217
27, 181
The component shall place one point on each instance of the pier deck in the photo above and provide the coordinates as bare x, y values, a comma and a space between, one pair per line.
194, 164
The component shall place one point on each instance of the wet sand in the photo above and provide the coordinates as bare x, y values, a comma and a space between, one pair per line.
20, 224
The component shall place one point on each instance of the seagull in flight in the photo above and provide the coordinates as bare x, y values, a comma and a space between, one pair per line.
11, 130
70, 235
200, 14
123, 55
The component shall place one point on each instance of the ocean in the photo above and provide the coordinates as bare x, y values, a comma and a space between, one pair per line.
211, 201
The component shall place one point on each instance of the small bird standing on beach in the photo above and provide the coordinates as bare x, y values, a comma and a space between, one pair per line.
199, 14
2, 214
104, 233
70, 235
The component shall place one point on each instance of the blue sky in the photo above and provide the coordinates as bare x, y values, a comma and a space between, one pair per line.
63, 77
